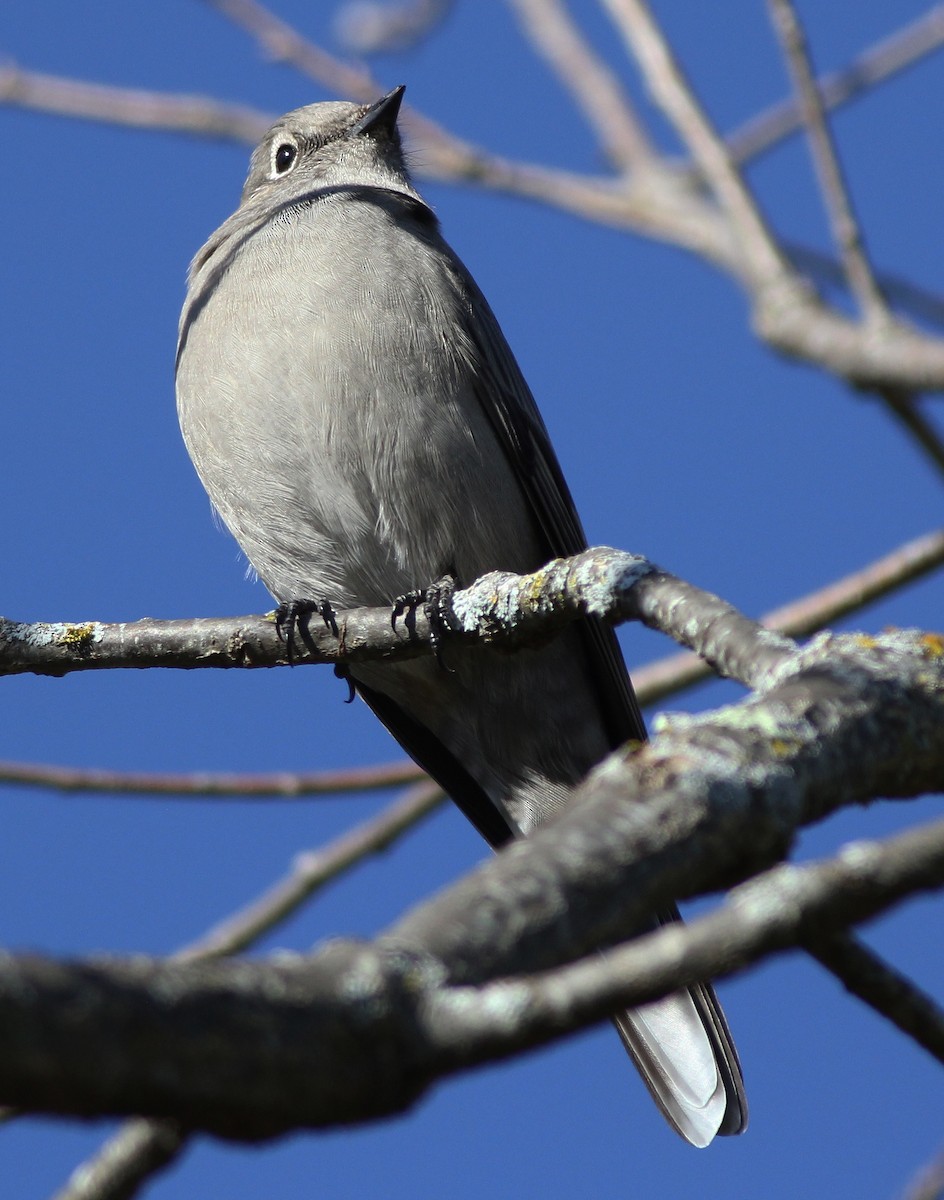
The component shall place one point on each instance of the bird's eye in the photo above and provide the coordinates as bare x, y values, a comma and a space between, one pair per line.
284, 157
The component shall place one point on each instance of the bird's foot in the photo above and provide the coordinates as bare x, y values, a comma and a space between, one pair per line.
436, 604
291, 619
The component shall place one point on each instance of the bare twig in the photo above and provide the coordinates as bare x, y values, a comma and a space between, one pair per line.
846, 231
765, 264
282, 784
140, 1150
882, 987
808, 614
283, 43
585, 75
310, 872
384, 28
904, 406
77, 98
658, 204
928, 1183
902, 49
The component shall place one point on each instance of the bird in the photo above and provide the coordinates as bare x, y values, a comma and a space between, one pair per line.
363, 429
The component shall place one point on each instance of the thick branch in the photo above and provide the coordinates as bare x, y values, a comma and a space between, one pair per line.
711, 800
253, 1049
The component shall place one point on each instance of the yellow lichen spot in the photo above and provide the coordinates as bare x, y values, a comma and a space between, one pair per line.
933, 644
866, 641
78, 637
781, 747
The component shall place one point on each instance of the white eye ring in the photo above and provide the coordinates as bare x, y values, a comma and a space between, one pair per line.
284, 158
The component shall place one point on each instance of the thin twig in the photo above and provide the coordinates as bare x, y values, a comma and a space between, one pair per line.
904, 408
836, 196
283, 43
384, 28
928, 1182
668, 85
286, 785
198, 115
128, 1160
902, 49
882, 987
142, 1147
312, 871
594, 87
808, 614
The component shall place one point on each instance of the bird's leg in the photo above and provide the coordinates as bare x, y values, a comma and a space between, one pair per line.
291, 618
436, 602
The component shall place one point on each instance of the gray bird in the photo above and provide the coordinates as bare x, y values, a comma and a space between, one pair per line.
361, 425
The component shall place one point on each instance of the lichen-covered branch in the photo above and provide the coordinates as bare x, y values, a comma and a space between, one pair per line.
501, 609
253, 1049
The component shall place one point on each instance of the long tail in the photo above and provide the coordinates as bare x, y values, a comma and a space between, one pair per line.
684, 1052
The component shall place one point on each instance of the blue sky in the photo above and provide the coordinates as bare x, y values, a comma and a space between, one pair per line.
683, 440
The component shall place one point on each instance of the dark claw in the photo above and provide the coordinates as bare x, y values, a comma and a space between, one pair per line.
291, 619
436, 601
342, 672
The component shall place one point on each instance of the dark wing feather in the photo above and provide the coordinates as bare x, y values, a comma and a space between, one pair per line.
506, 399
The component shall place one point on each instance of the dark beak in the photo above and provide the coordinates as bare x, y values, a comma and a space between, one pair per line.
382, 115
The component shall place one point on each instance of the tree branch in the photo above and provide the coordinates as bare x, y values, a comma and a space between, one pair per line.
143, 1147
500, 609
902, 49
387, 28
286, 785
594, 87
890, 993
808, 614
846, 231
250, 1050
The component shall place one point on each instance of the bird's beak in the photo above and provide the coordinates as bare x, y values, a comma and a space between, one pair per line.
382, 115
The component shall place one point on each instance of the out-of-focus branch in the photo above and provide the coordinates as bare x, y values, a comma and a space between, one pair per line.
764, 264
131, 1158
807, 615
287, 785
845, 226
904, 406
664, 204
880, 986
311, 872
786, 312
901, 50
928, 1183
141, 1148
361, 1030
367, 27
591, 83
77, 98
283, 43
